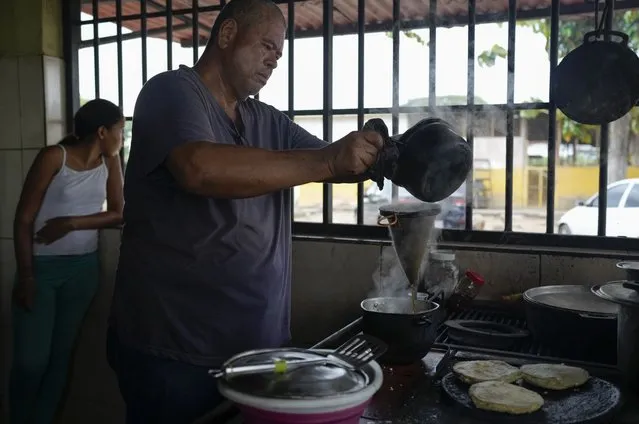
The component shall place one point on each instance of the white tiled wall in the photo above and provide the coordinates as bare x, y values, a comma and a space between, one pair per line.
31, 116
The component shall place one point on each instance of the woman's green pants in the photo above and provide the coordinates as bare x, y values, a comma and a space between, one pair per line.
43, 338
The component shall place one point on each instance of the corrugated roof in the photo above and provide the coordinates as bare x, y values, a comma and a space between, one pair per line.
309, 18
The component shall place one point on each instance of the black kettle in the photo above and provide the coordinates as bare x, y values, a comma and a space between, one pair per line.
430, 160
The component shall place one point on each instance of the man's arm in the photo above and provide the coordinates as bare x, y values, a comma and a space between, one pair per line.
228, 171
172, 114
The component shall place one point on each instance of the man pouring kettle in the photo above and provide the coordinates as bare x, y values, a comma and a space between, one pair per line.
205, 259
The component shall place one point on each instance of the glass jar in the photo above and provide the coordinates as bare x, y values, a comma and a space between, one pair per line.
442, 273
466, 290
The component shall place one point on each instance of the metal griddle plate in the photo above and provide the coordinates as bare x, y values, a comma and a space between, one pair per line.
594, 403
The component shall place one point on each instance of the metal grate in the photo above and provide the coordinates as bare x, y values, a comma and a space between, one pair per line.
526, 348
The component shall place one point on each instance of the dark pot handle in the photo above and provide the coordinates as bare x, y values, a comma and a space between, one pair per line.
596, 316
615, 37
422, 320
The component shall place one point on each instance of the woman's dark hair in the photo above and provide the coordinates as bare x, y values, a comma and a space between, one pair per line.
90, 117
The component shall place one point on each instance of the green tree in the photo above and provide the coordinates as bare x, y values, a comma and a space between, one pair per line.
571, 33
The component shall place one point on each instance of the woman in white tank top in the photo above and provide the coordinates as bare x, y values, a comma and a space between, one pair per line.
56, 242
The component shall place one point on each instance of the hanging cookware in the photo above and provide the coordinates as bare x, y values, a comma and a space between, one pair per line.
408, 330
618, 293
323, 393
430, 160
598, 82
572, 319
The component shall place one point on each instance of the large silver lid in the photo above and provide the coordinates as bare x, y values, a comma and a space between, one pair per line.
615, 291
574, 298
310, 382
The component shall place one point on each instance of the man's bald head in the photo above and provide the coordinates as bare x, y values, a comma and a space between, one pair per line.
247, 14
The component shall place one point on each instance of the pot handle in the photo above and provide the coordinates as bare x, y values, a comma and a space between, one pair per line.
387, 220
615, 37
596, 316
422, 320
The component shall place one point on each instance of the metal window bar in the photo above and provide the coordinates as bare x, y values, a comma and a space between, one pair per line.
169, 34
96, 48
603, 148
195, 24
361, 28
291, 76
395, 75
71, 38
510, 101
432, 54
118, 16
552, 119
470, 114
327, 117
143, 37
327, 112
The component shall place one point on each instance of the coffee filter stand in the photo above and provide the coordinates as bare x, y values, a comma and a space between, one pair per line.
410, 226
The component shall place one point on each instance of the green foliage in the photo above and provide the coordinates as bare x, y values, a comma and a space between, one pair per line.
410, 34
571, 34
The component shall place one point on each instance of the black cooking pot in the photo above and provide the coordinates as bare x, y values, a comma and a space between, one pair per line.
409, 335
572, 319
598, 82
430, 160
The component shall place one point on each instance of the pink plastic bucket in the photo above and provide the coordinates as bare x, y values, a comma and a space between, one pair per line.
345, 416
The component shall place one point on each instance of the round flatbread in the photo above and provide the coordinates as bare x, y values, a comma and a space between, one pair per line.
498, 396
472, 372
554, 376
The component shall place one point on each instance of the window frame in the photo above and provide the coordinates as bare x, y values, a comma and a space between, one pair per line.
327, 229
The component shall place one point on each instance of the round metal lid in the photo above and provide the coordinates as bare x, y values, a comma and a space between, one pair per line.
575, 298
310, 382
410, 209
616, 292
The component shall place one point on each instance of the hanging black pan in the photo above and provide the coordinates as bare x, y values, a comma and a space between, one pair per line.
598, 82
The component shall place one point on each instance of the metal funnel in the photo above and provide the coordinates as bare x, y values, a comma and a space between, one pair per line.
410, 226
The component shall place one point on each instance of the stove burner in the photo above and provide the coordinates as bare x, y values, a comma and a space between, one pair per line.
484, 333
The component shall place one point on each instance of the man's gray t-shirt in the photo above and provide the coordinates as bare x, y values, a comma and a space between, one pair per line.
200, 279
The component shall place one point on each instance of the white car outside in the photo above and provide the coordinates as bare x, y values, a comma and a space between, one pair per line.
622, 212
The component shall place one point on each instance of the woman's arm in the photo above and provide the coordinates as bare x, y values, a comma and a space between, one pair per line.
115, 202
42, 171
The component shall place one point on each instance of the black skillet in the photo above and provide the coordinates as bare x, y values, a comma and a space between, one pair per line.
598, 82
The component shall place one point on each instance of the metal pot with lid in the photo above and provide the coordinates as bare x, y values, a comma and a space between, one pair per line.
626, 295
571, 317
314, 393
